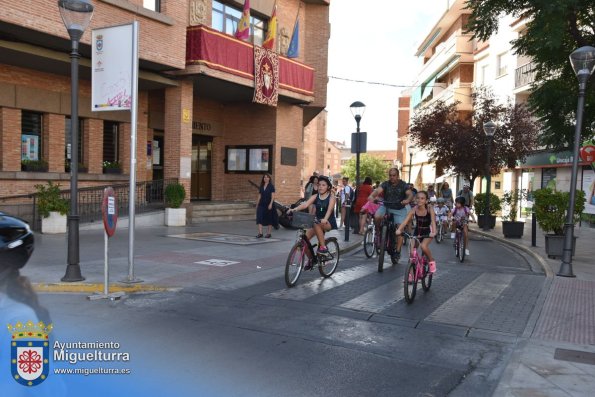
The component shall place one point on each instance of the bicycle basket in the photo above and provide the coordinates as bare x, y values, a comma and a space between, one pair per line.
302, 219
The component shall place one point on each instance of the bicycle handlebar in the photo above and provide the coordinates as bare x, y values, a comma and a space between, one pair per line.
416, 237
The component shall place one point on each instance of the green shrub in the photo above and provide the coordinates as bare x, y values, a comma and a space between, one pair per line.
34, 165
174, 195
551, 207
49, 199
480, 204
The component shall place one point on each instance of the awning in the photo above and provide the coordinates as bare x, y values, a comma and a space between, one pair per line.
428, 88
416, 97
449, 66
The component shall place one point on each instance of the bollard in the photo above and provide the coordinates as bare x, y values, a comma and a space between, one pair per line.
347, 223
533, 229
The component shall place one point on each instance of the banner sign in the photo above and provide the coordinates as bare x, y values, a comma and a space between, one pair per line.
266, 76
589, 189
111, 71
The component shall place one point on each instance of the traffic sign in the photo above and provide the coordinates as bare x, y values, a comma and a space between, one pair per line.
109, 211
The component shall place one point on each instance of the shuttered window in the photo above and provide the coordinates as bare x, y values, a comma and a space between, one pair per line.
110, 141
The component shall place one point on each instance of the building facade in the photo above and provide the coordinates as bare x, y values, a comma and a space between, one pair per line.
196, 119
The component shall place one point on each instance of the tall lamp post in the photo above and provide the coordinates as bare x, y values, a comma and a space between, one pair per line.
489, 128
583, 64
76, 15
357, 110
410, 148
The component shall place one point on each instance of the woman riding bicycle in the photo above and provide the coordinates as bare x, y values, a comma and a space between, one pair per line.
324, 203
460, 217
425, 225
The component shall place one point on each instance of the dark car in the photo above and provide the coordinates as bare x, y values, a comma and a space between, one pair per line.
16, 241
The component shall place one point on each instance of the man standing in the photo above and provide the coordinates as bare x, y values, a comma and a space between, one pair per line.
397, 195
345, 200
467, 194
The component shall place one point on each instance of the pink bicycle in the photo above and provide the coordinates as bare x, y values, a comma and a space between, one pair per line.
417, 270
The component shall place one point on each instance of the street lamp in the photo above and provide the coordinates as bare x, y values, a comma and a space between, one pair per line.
76, 15
489, 128
583, 64
410, 148
357, 110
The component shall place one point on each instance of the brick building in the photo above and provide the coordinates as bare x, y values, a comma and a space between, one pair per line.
195, 109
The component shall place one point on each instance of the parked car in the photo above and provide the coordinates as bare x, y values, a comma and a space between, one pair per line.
16, 241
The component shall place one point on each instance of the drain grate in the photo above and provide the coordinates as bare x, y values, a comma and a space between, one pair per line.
575, 356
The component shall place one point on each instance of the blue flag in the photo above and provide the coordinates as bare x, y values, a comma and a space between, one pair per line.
294, 45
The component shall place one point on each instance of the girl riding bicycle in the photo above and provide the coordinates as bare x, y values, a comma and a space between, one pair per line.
324, 203
425, 225
460, 217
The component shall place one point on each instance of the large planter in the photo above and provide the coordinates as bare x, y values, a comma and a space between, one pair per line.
481, 221
53, 224
175, 217
513, 229
112, 170
554, 245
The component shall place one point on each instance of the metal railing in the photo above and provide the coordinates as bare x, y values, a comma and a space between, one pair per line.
149, 197
524, 75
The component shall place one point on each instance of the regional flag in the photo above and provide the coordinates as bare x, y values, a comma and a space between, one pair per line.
269, 41
294, 45
243, 31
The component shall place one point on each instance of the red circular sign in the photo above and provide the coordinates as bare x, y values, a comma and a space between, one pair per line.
109, 211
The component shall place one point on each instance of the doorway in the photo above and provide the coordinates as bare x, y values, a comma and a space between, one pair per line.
201, 167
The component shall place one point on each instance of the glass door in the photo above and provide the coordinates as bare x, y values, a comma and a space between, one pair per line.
201, 167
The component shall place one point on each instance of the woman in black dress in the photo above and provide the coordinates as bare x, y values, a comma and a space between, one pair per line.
264, 205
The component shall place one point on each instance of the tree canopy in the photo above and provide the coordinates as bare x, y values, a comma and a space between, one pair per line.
554, 29
456, 140
373, 167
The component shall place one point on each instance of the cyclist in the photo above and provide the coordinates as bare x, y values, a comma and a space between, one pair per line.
460, 217
442, 213
397, 196
324, 202
425, 225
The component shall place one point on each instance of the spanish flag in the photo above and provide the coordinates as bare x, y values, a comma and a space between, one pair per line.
243, 31
269, 41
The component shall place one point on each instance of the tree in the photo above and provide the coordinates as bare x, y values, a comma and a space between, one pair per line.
375, 168
456, 140
555, 28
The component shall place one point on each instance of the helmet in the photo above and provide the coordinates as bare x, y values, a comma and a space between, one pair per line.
16, 242
440, 200
466, 185
433, 199
460, 200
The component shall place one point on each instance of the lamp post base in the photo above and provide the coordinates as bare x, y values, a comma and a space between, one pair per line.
565, 270
133, 280
73, 274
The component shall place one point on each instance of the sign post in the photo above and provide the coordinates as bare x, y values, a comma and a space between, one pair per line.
109, 212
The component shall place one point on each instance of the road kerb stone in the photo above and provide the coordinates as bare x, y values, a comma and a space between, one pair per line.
96, 287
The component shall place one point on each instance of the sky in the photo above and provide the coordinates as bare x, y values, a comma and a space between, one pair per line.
374, 41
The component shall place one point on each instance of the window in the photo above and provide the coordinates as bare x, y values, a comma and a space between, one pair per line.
248, 159
67, 149
110, 141
225, 19
153, 5
31, 127
501, 69
484, 74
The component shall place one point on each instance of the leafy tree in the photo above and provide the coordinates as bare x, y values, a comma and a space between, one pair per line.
555, 28
371, 166
456, 140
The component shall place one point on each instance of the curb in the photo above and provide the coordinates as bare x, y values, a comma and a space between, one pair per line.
546, 267
98, 288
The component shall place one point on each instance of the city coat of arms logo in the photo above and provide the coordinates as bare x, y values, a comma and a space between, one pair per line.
99, 42
30, 352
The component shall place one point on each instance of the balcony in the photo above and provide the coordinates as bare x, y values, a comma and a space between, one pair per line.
524, 75
456, 92
219, 55
446, 52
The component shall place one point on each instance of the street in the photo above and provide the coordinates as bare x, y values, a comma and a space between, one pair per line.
237, 330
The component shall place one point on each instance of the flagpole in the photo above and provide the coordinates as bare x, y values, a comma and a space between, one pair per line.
297, 17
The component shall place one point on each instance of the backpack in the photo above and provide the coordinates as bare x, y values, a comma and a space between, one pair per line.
351, 195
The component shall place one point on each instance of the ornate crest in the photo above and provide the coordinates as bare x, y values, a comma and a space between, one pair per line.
266, 76
30, 358
99, 42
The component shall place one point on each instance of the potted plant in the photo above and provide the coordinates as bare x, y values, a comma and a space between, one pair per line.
480, 209
34, 165
112, 167
52, 208
551, 207
510, 202
174, 197
82, 168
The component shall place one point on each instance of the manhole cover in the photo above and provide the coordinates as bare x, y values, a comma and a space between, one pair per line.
575, 356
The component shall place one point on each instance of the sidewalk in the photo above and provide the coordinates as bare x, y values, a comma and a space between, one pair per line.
556, 356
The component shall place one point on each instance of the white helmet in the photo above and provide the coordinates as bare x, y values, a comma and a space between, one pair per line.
432, 199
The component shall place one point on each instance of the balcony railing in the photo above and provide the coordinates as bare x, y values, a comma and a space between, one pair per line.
524, 75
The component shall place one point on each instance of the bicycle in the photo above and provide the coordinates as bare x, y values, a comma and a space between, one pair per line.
440, 232
459, 243
386, 239
303, 250
418, 269
371, 244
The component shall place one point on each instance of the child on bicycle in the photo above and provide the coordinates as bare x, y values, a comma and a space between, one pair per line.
460, 217
442, 213
425, 225
324, 202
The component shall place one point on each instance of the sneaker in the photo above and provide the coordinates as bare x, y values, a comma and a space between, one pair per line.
452, 236
467, 252
322, 251
433, 267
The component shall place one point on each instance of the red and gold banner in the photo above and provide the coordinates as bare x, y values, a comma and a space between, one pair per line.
266, 76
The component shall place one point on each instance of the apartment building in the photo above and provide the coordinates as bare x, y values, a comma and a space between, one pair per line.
196, 118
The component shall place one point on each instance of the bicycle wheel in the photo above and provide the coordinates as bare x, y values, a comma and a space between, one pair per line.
461, 248
410, 287
295, 264
456, 244
439, 235
369, 238
328, 266
377, 241
426, 280
383, 236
